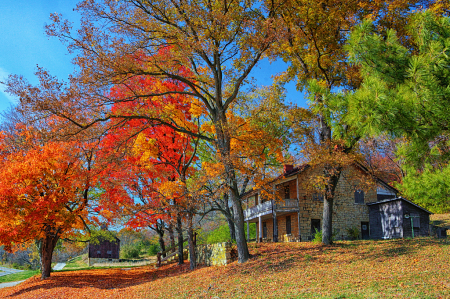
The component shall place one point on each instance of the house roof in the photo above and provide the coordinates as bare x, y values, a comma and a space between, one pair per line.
395, 199
378, 180
301, 168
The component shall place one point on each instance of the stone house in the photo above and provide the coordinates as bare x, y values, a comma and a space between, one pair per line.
291, 213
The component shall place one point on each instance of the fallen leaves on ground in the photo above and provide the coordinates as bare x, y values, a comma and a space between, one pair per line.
358, 269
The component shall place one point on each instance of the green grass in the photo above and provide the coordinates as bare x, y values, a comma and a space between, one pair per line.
19, 276
76, 263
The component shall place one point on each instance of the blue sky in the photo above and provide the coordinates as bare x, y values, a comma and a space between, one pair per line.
24, 45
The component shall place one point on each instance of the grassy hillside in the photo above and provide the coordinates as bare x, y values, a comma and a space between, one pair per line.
415, 268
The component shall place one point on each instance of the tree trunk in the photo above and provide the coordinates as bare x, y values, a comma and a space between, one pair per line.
171, 236
223, 143
180, 239
231, 225
46, 247
241, 242
327, 223
160, 231
192, 249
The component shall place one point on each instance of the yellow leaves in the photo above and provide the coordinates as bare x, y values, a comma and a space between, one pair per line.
208, 127
171, 189
146, 148
197, 108
213, 170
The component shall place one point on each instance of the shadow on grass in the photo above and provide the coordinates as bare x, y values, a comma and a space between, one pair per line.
103, 279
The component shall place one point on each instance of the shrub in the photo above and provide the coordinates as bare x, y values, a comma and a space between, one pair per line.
130, 251
317, 236
153, 249
222, 234
353, 233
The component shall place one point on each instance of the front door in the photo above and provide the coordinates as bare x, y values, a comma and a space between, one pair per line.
365, 230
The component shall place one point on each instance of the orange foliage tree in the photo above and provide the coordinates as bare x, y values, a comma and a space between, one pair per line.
44, 188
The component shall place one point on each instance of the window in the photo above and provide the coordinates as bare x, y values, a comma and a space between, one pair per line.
286, 192
264, 230
288, 225
317, 196
359, 196
416, 220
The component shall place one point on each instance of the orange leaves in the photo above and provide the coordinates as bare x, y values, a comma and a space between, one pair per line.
36, 187
370, 269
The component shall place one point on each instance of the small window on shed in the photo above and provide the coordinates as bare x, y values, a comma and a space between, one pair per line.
359, 196
416, 220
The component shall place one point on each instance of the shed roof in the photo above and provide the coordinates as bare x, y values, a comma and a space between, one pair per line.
395, 199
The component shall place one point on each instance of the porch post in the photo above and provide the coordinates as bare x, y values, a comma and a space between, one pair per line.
298, 213
260, 229
248, 232
275, 226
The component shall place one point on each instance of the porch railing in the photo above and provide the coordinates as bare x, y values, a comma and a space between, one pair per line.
267, 207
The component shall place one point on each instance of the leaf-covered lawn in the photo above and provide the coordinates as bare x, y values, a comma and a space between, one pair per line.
359, 269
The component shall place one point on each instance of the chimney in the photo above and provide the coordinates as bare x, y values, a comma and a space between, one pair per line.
288, 168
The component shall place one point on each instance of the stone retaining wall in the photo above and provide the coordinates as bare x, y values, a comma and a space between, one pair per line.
218, 254
93, 260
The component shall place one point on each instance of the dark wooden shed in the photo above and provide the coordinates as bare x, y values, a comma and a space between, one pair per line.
397, 218
105, 249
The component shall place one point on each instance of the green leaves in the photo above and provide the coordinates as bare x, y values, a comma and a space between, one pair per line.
406, 88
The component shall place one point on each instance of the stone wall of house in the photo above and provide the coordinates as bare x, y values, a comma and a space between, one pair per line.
218, 254
346, 213
94, 260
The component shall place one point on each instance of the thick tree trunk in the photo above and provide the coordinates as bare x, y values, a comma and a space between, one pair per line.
192, 249
160, 231
327, 218
223, 143
241, 242
327, 223
180, 240
46, 246
171, 236
231, 225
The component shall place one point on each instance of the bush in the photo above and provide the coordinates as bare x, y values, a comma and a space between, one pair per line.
130, 251
222, 234
317, 236
153, 249
353, 233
